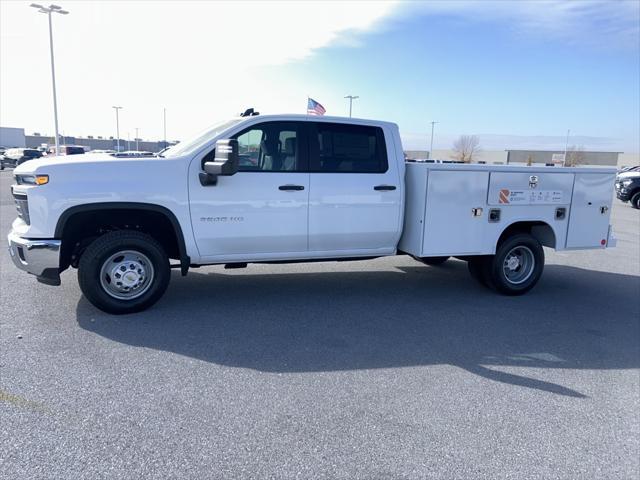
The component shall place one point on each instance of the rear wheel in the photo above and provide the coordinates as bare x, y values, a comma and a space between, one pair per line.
124, 272
433, 260
517, 265
635, 200
476, 266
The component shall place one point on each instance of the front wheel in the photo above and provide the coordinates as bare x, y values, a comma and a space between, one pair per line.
124, 272
635, 200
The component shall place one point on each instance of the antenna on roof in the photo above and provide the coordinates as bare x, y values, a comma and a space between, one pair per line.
249, 112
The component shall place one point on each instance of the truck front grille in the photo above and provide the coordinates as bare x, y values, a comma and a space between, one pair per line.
22, 205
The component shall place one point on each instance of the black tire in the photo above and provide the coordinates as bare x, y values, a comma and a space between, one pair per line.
635, 200
433, 260
524, 276
476, 266
96, 286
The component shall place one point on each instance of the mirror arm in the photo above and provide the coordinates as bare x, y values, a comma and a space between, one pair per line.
208, 179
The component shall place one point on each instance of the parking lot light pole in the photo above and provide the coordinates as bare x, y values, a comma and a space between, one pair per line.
566, 147
117, 127
49, 10
164, 127
351, 99
431, 145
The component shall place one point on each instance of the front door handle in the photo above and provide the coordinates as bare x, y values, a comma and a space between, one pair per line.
291, 188
384, 188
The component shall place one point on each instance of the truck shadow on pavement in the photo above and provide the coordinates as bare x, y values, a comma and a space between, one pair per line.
411, 316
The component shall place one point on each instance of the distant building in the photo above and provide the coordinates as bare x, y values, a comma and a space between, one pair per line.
12, 137
15, 137
416, 154
98, 143
547, 156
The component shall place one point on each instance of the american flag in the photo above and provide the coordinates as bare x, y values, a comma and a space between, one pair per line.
314, 108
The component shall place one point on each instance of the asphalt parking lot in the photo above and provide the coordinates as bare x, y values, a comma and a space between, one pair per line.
379, 369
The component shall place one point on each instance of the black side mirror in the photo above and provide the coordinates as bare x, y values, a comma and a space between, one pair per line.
225, 163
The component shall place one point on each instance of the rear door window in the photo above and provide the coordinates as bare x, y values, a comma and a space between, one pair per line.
343, 148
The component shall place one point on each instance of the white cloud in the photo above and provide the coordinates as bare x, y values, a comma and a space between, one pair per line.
202, 60
603, 23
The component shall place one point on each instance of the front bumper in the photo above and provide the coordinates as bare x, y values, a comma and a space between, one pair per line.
622, 193
39, 257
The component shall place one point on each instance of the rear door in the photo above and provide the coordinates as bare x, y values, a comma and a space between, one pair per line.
355, 190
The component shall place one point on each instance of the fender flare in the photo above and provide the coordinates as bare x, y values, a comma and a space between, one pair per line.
185, 261
551, 242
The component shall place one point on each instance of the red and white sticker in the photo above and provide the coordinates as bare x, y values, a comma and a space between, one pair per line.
529, 197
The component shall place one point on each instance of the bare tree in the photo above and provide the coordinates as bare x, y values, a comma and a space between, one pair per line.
466, 147
575, 156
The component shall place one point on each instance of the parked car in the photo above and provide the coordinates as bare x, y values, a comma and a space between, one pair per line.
67, 150
628, 188
134, 154
104, 152
16, 156
322, 188
635, 168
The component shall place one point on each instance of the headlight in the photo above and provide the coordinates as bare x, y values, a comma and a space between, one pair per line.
627, 182
32, 179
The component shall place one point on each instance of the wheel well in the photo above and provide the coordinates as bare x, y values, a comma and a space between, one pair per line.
79, 228
541, 231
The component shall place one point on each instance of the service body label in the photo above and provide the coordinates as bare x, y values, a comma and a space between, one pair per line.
508, 196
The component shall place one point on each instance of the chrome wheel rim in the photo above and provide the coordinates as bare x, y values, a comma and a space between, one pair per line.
126, 274
518, 265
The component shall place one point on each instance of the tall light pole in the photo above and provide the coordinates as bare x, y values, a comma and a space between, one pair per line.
431, 144
49, 10
351, 99
164, 126
566, 147
117, 126
137, 149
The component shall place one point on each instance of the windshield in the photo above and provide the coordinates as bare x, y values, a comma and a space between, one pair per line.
190, 145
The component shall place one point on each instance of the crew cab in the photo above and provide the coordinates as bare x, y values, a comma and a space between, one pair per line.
290, 188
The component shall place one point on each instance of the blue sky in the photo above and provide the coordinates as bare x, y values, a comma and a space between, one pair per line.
487, 77
519, 74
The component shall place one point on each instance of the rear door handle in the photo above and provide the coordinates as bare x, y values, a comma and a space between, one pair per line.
384, 188
291, 188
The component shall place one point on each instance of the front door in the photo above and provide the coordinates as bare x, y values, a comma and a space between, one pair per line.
262, 209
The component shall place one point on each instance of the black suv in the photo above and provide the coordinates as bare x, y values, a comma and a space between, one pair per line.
628, 189
15, 156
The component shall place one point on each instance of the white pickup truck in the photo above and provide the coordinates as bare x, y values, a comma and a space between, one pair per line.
290, 188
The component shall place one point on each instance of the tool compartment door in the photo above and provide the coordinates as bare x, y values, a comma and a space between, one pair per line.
451, 226
590, 210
